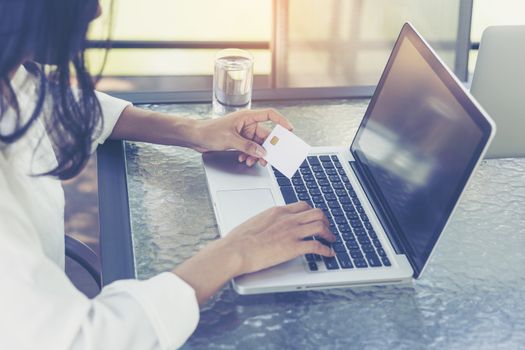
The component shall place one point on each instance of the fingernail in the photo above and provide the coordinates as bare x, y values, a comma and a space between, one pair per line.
261, 152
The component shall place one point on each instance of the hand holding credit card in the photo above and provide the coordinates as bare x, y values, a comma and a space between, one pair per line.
285, 151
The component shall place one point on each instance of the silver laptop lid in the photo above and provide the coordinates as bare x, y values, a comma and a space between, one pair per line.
498, 85
419, 142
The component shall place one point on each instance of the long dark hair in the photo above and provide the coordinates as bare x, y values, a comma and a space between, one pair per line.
48, 36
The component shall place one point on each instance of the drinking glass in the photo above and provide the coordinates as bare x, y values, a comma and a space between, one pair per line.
232, 81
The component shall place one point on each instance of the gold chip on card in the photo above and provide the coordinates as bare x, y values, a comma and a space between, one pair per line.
274, 140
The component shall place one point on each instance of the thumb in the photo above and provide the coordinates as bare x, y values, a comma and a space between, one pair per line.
249, 147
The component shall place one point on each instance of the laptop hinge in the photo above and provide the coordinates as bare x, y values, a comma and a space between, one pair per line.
380, 211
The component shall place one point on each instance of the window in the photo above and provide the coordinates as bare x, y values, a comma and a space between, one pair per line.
169, 45
488, 13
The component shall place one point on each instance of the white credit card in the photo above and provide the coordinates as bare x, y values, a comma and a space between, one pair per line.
285, 151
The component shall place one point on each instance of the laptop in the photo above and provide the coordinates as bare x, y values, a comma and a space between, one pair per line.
498, 85
388, 196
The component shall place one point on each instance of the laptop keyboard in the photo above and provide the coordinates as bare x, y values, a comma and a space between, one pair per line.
322, 183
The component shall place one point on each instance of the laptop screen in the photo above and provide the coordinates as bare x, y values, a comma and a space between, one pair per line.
418, 144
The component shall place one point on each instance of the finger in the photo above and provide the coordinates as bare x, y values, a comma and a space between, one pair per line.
250, 161
242, 157
262, 162
261, 133
274, 116
315, 247
317, 228
249, 147
297, 207
311, 216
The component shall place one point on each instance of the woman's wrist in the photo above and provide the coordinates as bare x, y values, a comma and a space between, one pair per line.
211, 268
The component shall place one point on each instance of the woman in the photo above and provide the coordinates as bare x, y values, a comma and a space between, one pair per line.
47, 131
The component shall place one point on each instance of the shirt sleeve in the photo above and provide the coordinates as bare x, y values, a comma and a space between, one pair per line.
112, 108
42, 309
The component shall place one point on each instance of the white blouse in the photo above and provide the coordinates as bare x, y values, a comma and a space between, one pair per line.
39, 307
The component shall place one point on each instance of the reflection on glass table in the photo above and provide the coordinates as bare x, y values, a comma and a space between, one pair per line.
471, 295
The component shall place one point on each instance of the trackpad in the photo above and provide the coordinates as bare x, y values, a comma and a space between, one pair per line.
237, 206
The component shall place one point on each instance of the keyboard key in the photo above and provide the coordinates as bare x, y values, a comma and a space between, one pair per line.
309, 257
356, 254
318, 199
338, 247
277, 173
338, 165
305, 171
381, 252
363, 240
320, 175
321, 206
337, 212
376, 243
297, 181
308, 177
330, 197
317, 169
300, 188
312, 266
338, 185
325, 159
333, 204
334, 158
345, 200
344, 178
331, 172
356, 201
352, 216
359, 231
283, 181
373, 261
340, 220
349, 187
367, 247
360, 263
344, 228
327, 165
368, 225
311, 184
314, 191
356, 223
326, 189
348, 237
359, 208
349, 208
330, 263
385, 261
372, 234
341, 193
323, 182
303, 196
334, 178
341, 171
344, 261
352, 245
288, 194
364, 217
313, 160
304, 164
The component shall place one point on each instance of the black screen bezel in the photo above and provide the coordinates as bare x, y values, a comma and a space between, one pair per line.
465, 100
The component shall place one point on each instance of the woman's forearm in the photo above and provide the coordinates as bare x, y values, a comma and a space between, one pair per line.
211, 268
137, 124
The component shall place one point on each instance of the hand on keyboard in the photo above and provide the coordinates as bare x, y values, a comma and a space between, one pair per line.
278, 235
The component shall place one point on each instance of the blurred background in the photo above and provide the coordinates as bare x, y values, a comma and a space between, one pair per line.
159, 46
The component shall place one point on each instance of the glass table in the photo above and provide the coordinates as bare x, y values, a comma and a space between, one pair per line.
472, 296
